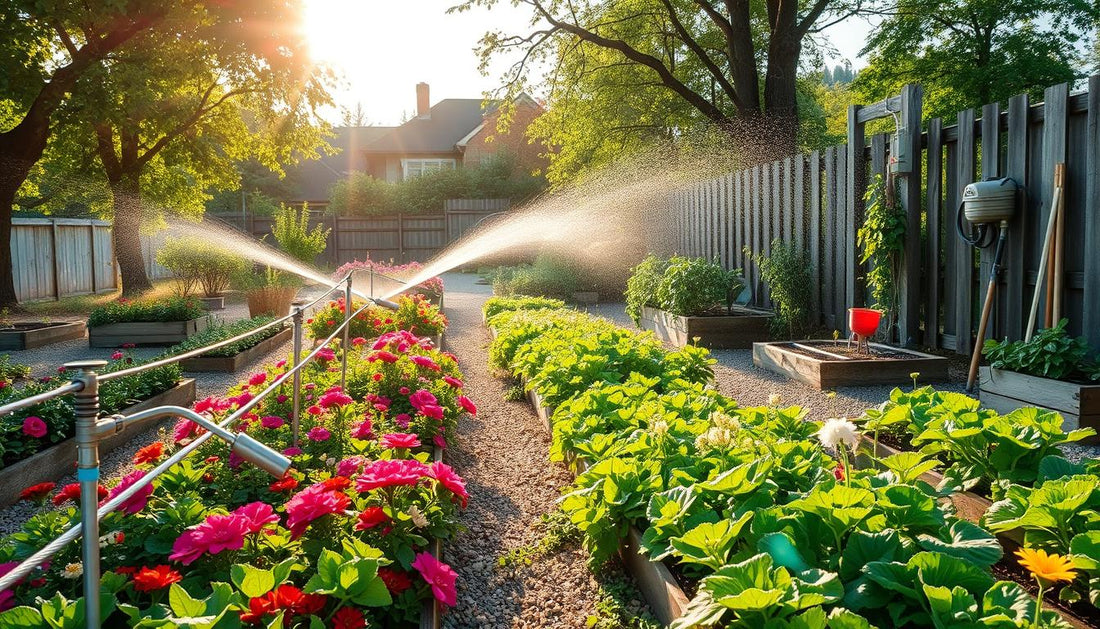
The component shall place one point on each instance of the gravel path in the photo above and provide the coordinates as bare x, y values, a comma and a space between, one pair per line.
503, 455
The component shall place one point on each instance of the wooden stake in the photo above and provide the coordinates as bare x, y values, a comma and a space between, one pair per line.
1058, 280
1054, 209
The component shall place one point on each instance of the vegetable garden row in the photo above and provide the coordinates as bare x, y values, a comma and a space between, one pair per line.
774, 521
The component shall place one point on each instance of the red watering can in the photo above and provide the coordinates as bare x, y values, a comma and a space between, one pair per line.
863, 322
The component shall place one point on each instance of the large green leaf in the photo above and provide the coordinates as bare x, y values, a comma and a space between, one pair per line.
252, 581
21, 618
1086, 551
967, 541
908, 466
710, 543
1007, 601
909, 509
183, 604
840, 507
950, 606
841, 618
740, 479
862, 548
943, 570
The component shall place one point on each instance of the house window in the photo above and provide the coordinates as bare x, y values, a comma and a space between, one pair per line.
416, 167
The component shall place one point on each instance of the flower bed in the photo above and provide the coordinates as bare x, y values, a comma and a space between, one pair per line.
496, 305
146, 322
22, 336
235, 355
431, 288
414, 314
345, 539
769, 526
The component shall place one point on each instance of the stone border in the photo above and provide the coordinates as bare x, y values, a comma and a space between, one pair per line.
18, 340
834, 370
60, 459
233, 363
736, 331
145, 332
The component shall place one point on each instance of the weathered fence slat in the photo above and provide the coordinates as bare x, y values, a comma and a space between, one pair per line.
1014, 261
964, 267
934, 219
991, 168
815, 234
1090, 322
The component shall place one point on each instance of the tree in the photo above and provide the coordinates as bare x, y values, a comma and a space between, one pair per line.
168, 117
967, 53
709, 55
47, 46
354, 116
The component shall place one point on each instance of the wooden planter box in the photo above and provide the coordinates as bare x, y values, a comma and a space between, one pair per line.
238, 360
738, 331
28, 337
213, 303
1005, 391
145, 332
659, 587
820, 368
60, 459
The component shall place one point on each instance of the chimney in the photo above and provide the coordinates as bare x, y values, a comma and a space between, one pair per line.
423, 102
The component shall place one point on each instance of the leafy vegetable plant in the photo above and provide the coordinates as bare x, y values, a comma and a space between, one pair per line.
1051, 353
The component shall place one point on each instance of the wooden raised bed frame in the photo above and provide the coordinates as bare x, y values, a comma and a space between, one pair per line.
736, 331
659, 587
829, 370
145, 332
60, 459
1006, 391
49, 333
238, 360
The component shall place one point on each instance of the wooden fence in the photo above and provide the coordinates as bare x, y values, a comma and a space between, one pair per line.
815, 201
61, 257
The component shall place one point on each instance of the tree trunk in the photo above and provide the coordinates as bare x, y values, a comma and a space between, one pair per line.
126, 234
8, 298
781, 83
20, 148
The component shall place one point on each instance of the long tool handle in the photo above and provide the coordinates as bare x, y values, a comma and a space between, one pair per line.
1058, 279
987, 308
1046, 253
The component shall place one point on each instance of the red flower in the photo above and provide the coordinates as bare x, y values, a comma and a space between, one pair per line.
37, 493
149, 579
72, 492
370, 518
34, 427
287, 598
377, 377
348, 618
125, 570
149, 453
286, 483
336, 483
838, 471
395, 580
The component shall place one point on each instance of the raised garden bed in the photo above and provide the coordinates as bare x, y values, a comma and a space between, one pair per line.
213, 303
60, 459
720, 331
238, 360
658, 585
145, 332
37, 333
826, 365
1005, 391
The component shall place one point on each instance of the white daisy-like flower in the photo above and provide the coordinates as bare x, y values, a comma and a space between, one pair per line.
419, 520
73, 571
838, 430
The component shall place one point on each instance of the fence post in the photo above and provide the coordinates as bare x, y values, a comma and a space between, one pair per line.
910, 280
296, 381
347, 329
86, 406
854, 185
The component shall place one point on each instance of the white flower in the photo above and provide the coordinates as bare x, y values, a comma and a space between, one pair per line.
837, 430
660, 428
775, 399
73, 570
418, 518
722, 420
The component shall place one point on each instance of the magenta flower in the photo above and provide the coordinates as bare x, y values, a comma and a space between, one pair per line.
425, 362
211, 405
358, 341
257, 379
349, 466
438, 575
134, 503
422, 398
292, 451
363, 430
184, 429
400, 440
34, 427
257, 514
272, 421
384, 356
335, 398
439, 441
402, 420
281, 398
454, 382
390, 473
117, 355
315, 410
319, 433
447, 477
326, 354
215, 534
311, 503
466, 404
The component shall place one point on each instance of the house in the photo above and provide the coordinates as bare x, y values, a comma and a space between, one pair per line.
453, 133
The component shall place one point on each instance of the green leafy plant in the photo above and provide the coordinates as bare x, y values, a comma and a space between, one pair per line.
223, 331
193, 260
1051, 353
881, 240
787, 273
147, 310
11, 370
692, 286
291, 231
641, 287
547, 276
498, 304
556, 531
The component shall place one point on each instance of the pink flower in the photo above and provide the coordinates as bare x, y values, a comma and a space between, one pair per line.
281, 398
454, 382
390, 473
185, 429
311, 503
211, 405
326, 354
134, 503
403, 390
34, 427
439, 441
215, 534
400, 440
425, 362
319, 433
349, 466
315, 410
446, 477
438, 575
117, 356
358, 341
280, 364
272, 421
422, 398
292, 451
383, 356
466, 404
311, 386
335, 398
363, 430
244, 398
257, 379
257, 514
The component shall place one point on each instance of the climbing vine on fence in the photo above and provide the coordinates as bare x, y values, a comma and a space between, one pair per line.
881, 240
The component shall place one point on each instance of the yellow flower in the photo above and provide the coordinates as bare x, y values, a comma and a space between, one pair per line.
1047, 568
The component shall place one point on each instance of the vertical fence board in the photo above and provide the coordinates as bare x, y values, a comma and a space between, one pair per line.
1014, 261
799, 202
815, 234
757, 231
991, 168
1054, 152
830, 275
846, 239
788, 208
1090, 322
934, 220
909, 284
964, 258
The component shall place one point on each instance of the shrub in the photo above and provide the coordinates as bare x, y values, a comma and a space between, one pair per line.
641, 288
432, 288
692, 286
10, 371
549, 276
1051, 353
147, 310
414, 314
223, 331
497, 305
193, 260
787, 273
291, 231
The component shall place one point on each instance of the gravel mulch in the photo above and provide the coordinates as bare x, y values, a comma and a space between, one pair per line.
503, 455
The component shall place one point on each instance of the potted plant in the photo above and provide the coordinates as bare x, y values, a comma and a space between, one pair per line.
269, 291
197, 263
146, 322
691, 300
1053, 370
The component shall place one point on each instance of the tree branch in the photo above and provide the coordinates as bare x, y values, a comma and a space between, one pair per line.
688, 40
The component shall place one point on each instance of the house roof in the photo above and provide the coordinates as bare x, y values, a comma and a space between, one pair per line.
451, 120
316, 176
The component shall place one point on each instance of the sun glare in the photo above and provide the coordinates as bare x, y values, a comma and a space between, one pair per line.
334, 30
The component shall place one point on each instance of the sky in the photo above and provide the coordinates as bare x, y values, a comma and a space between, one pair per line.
383, 49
